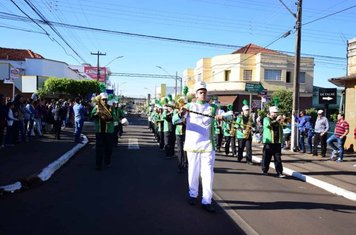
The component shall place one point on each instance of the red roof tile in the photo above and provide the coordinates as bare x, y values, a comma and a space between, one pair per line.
17, 54
254, 49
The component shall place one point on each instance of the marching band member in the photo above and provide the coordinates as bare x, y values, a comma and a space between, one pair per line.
200, 145
244, 125
104, 128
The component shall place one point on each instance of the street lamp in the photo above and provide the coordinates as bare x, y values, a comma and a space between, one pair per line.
116, 88
175, 78
119, 57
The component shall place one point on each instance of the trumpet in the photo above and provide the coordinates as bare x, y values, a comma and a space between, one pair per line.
102, 110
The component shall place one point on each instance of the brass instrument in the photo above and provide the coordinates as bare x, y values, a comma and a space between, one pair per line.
102, 110
247, 128
232, 130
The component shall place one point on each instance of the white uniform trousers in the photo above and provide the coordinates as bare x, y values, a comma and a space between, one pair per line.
201, 164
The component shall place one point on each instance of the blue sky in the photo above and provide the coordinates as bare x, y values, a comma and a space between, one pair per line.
217, 21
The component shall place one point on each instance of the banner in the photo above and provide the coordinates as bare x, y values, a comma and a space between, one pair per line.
92, 72
14, 74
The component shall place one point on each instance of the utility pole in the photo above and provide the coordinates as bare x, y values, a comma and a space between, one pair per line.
176, 91
97, 65
298, 26
181, 84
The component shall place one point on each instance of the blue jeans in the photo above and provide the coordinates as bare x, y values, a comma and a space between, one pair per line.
78, 129
340, 145
309, 140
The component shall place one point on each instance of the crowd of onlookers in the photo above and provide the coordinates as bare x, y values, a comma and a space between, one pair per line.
22, 118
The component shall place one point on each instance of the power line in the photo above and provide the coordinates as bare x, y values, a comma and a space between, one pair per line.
38, 12
210, 44
331, 14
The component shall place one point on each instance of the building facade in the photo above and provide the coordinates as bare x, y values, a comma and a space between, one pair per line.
31, 70
227, 75
349, 84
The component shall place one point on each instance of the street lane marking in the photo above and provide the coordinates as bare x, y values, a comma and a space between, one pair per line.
133, 144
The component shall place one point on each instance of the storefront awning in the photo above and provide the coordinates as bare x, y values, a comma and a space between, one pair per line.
226, 99
341, 81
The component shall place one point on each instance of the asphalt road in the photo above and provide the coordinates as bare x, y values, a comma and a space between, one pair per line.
142, 194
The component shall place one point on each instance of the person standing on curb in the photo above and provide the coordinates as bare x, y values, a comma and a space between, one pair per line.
320, 133
305, 131
339, 136
244, 125
58, 116
104, 128
272, 140
3, 115
79, 112
200, 145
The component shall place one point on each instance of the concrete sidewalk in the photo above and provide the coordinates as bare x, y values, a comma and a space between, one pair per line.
335, 177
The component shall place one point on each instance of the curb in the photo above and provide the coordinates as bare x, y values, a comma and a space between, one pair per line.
45, 173
318, 183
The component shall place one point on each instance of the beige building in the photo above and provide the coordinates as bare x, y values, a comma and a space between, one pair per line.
349, 83
227, 75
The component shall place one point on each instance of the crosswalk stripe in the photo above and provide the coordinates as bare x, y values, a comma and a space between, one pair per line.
133, 144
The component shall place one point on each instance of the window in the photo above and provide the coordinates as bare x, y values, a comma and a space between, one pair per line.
288, 77
302, 77
227, 75
247, 75
199, 77
272, 75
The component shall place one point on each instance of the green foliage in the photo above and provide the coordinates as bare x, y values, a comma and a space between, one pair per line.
284, 99
313, 113
69, 86
333, 117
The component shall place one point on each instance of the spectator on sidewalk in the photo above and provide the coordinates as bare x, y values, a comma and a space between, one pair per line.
10, 130
272, 140
320, 133
305, 131
18, 123
79, 113
58, 113
29, 118
3, 114
37, 127
287, 131
339, 136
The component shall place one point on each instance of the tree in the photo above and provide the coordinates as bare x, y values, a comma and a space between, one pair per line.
283, 99
69, 87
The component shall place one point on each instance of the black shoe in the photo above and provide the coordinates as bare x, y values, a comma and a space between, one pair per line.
264, 173
239, 160
208, 207
192, 201
280, 175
